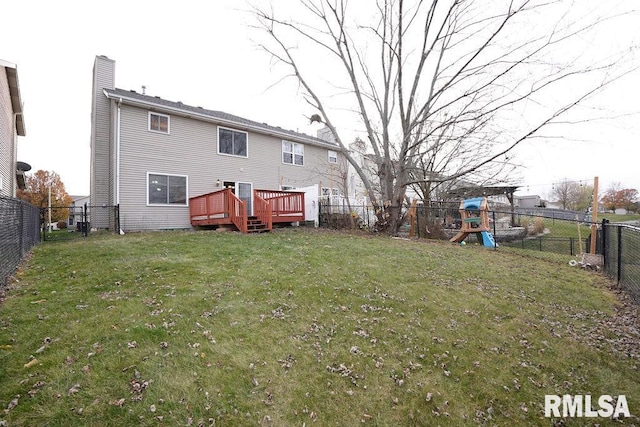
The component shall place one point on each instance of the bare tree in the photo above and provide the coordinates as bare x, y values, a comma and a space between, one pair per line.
574, 195
443, 90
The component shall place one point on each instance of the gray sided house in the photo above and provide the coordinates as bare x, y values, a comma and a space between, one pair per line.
11, 126
153, 158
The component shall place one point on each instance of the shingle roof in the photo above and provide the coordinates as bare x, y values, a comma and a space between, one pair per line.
129, 96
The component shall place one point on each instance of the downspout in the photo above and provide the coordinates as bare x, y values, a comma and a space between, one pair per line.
119, 224
13, 182
118, 153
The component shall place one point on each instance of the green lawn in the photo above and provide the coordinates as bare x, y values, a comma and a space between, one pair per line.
619, 218
302, 327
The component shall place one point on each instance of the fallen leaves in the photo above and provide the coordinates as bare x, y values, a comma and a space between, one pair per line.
287, 362
34, 389
12, 404
117, 402
31, 363
346, 372
74, 389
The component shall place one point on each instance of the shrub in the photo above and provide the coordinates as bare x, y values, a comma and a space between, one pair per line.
538, 225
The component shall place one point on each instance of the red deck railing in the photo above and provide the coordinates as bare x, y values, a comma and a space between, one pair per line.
262, 210
209, 206
238, 212
223, 207
286, 206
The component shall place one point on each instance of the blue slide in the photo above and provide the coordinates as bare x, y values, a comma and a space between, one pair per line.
488, 240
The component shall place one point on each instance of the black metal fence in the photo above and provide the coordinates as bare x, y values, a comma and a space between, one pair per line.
78, 222
19, 232
621, 252
548, 231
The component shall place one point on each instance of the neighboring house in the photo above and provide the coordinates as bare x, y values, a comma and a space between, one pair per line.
153, 157
76, 210
532, 201
11, 126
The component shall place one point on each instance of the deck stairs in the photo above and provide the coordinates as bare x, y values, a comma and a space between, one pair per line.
255, 225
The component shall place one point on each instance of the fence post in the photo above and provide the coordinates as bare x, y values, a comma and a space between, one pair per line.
116, 220
604, 244
619, 231
495, 235
571, 246
85, 225
44, 225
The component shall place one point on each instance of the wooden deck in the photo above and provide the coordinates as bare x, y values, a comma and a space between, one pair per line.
269, 206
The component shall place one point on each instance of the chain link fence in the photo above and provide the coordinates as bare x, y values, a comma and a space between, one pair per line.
19, 232
563, 232
621, 250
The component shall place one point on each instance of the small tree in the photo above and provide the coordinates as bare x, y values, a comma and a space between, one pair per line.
46, 189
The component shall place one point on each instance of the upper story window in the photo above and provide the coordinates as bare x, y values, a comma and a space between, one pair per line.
158, 122
333, 156
326, 191
292, 153
166, 189
232, 142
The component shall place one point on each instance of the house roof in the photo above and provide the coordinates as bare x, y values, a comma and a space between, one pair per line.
156, 103
14, 93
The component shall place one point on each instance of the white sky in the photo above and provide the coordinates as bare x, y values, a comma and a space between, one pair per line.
199, 52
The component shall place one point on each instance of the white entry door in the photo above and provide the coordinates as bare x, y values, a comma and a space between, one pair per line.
244, 192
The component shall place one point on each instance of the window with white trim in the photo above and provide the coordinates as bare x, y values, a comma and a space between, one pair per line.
232, 142
292, 153
166, 189
333, 156
158, 122
326, 191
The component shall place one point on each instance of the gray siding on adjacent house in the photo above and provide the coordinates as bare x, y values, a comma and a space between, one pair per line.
101, 190
7, 133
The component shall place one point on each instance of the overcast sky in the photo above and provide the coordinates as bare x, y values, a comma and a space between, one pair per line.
201, 53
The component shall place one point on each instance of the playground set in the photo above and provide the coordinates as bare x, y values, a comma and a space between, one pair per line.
474, 214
